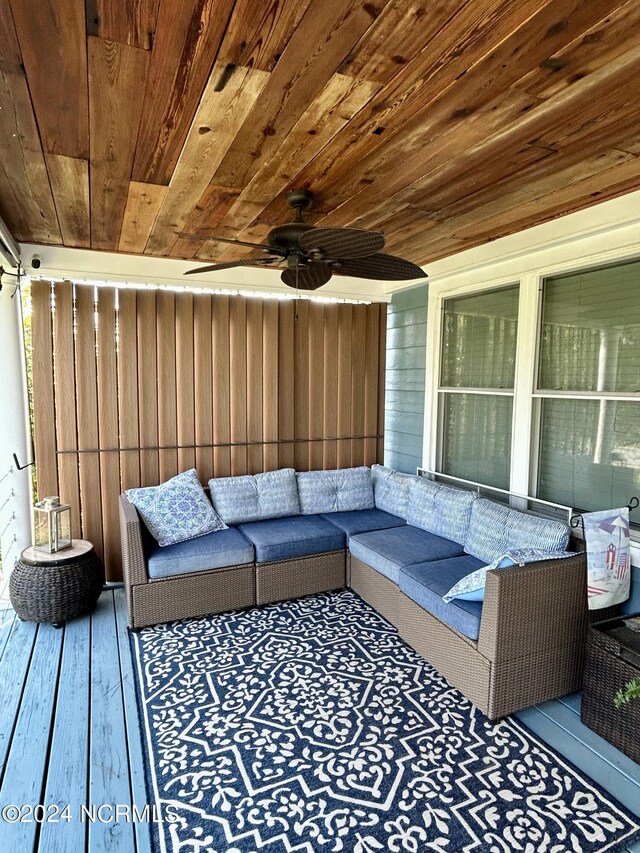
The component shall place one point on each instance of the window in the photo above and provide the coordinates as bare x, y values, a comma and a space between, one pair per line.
588, 388
476, 385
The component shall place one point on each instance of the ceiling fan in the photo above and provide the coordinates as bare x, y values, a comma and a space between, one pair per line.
313, 254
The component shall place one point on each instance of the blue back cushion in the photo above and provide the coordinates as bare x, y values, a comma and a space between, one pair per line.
440, 509
391, 490
254, 497
495, 529
335, 491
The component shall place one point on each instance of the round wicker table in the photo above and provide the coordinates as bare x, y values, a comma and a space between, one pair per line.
56, 587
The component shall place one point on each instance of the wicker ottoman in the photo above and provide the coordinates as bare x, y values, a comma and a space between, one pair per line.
612, 660
56, 587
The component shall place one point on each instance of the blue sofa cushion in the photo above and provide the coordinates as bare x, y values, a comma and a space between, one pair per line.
176, 510
440, 509
426, 583
495, 529
363, 520
388, 551
254, 497
335, 491
297, 536
391, 490
213, 551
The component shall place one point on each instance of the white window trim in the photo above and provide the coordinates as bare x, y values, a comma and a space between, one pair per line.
602, 235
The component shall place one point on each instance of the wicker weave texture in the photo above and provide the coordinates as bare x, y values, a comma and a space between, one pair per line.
283, 579
605, 673
376, 589
535, 608
55, 594
454, 656
187, 596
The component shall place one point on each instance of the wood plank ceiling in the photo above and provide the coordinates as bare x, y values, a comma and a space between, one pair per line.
444, 124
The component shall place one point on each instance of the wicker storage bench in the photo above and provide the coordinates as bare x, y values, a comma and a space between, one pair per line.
612, 660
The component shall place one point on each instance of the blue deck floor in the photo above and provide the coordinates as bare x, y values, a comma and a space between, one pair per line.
69, 734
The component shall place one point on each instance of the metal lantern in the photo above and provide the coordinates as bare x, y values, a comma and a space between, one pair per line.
52, 525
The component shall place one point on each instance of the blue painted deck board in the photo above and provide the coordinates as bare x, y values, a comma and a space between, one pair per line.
85, 678
26, 764
134, 744
109, 775
67, 772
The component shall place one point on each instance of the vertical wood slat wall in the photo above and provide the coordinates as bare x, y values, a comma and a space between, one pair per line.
133, 386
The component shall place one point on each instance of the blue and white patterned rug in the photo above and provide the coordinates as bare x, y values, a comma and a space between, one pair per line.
310, 726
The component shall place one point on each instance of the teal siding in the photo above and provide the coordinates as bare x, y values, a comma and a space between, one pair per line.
405, 378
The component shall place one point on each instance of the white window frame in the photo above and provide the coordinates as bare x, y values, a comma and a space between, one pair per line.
483, 392
600, 236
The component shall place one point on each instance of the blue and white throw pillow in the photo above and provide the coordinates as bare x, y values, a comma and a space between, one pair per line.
471, 586
176, 510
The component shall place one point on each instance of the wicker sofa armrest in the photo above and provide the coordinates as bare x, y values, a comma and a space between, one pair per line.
534, 609
134, 566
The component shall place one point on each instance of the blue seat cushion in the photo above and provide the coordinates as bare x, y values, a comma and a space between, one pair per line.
426, 583
212, 551
296, 536
363, 520
388, 551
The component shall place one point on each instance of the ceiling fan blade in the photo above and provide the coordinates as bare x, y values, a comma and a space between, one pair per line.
310, 277
381, 267
249, 262
341, 242
262, 246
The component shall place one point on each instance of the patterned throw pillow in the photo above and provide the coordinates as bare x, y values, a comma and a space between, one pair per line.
176, 510
471, 586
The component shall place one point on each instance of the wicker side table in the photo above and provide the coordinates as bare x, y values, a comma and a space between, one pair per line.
612, 660
56, 587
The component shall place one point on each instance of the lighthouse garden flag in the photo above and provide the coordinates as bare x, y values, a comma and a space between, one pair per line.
608, 557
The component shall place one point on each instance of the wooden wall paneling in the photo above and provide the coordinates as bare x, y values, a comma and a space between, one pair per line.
167, 379
286, 383
358, 362
345, 329
65, 388
128, 418
382, 352
147, 387
299, 76
270, 383
330, 387
140, 214
219, 117
238, 383
69, 177
131, 23
186, 41
117, 74
203, 385
255, 340
58, 86
371, 389
87, 409
316, 377
108, 431
43, 389
301, 384
221, 365
185, 382
25, 192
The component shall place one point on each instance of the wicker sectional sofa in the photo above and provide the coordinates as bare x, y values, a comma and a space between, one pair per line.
400, 542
